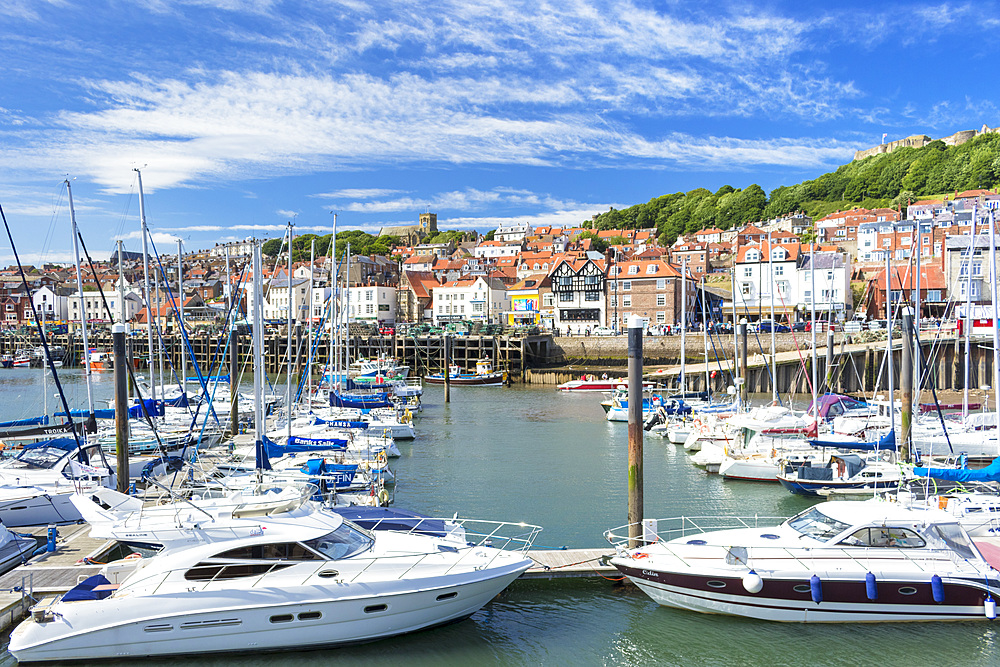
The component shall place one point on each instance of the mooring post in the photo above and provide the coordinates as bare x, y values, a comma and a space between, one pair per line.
906, 385
447, 370
121, 404
635, 430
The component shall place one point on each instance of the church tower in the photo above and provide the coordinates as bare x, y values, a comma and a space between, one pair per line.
428, 223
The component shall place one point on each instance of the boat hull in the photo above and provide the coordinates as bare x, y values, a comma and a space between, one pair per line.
273, 619
490, 380
842, 600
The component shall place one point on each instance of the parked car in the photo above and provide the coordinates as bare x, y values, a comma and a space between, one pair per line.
799, 326
603, 331
765, 326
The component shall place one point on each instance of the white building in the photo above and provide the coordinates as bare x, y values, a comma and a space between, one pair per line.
50, 305
495, 249
833, 285
476, 299
762, 279
512, 231
277, 300
372, 304
93, 306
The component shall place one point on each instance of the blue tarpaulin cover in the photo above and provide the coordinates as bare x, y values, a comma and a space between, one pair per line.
990, 473
886, 443
85, 589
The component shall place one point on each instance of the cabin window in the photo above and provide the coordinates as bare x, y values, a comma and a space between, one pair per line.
348, 540
884, 536
208, 570
281, 551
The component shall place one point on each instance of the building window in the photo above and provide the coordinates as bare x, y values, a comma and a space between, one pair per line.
661, 283
779, 270
747, 288
661, 317
614, 300
591, 296
565, 296
661, 299
747, 272
547, 299
626, 285
627, 301
632, 270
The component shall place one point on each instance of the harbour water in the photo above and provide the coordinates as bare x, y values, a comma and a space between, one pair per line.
535, 455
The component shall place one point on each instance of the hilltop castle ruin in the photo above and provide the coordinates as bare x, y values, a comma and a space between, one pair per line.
921, 140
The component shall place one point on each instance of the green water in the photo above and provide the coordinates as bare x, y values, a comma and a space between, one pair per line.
535, 455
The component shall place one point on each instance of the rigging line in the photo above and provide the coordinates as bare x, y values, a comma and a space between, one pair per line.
41, 331
129, 369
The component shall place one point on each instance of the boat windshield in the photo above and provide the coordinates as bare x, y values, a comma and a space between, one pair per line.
41, 457
348, 540
817, 525
954, 538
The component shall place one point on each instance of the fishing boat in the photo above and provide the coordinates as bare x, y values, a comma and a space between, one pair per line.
98, 360
261, 578
840, 561
484, 376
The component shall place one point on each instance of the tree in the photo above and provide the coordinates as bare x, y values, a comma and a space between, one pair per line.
489, 235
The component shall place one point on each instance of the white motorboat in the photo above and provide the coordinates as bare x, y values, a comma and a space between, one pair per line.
843, 561
298, 578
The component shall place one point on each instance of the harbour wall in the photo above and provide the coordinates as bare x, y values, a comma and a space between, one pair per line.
544, 359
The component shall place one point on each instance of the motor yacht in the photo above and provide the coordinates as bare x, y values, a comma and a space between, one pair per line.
252, 578
839, 561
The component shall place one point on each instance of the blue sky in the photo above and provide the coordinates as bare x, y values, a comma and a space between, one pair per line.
245, 114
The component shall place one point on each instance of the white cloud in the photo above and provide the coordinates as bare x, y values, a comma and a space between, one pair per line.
357, 193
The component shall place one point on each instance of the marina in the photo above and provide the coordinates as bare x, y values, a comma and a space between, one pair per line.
478, 456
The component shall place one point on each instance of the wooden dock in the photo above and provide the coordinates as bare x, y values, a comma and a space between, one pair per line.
565, 563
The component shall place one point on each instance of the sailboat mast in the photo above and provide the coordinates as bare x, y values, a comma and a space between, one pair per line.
334, 363
288, 340
812, 302
704, 324
258, 365
683, 319
996, 332
970, 252
83, 310
180, 313
890, 370
309, 340
145, 288
770, 291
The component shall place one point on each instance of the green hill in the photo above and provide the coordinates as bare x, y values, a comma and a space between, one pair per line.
888, 179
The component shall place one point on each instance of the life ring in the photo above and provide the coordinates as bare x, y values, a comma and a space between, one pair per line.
383, 497
381, 459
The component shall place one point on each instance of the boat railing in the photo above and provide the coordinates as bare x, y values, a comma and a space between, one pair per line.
465, 537
664, 530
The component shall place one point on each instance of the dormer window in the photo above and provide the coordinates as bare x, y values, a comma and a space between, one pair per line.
633, 269
778, 254
652, 269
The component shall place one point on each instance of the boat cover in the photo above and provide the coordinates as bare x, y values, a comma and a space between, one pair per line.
341, 474
990, 473
886, 443
379, 400
67, 444
85, 589
155, 408
30, 421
